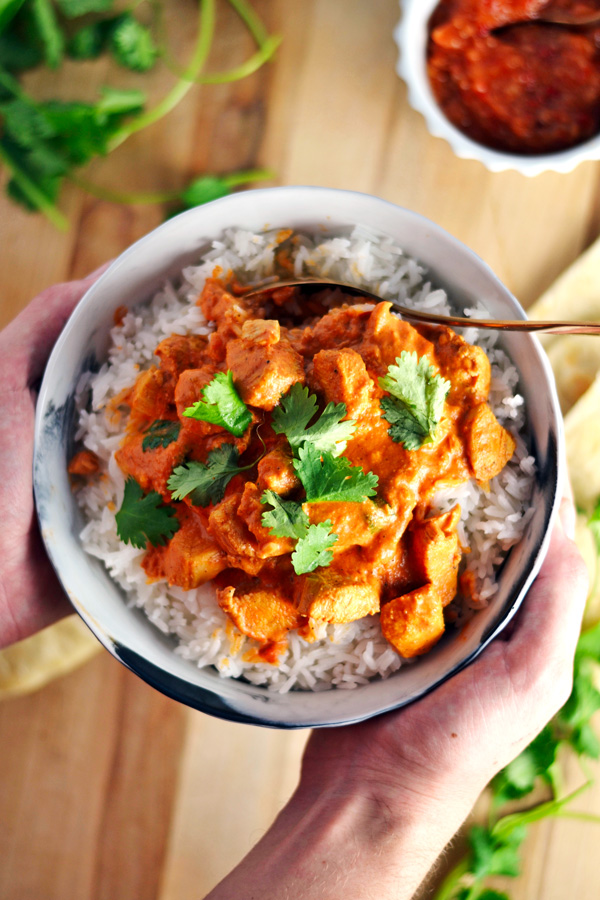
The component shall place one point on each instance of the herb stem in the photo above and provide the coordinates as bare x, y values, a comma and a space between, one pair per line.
134, 198
251, 65
32, 192
252, 22
206, 29
449, 885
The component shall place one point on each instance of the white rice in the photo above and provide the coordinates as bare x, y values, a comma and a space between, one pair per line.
344, 656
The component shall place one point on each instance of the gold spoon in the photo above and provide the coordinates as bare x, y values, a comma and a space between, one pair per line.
564, 17
435, 318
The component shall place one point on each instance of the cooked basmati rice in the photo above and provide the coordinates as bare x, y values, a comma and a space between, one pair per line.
343, 656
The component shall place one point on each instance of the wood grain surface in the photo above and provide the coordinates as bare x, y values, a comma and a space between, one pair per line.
108, 790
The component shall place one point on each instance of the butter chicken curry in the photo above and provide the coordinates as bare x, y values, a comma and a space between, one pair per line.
292, 457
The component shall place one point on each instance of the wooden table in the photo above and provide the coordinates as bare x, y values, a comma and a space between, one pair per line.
108, 789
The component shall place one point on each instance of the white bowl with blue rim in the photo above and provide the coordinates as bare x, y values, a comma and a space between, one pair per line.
412, 36
134, 278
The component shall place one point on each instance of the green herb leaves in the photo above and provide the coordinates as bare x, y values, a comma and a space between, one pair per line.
327, 478
417, 400
325, 475
206, 482
222, 405
328, 434
288, 519
144, 519
161, 433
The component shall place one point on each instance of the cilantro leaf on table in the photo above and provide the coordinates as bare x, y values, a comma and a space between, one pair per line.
222, 405
74, 8
519, 777
144, 519
206, 482
161, 433
493, 854
48, 32
8, 10
327, 434
417, 400
286, 519
327, 478
313, 549
132, 45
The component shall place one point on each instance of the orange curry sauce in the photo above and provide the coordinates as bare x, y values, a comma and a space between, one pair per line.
391, 554
527, 88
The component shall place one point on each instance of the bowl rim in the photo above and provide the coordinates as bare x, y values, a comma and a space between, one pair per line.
410, 35
218, 702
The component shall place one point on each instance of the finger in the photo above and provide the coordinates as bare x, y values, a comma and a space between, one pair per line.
27, 341
549, 621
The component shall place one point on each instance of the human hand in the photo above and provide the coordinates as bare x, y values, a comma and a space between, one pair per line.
30, 594
377, 802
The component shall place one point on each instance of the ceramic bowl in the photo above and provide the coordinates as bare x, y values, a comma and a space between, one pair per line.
133, 278
411, 36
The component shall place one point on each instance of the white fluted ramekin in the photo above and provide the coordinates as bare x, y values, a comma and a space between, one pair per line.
411, 35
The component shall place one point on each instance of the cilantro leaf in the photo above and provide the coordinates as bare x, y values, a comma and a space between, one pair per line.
327, 478
17, 55
495, 855
8, 10
294, 412
286, 519
204, 190
90, 41
594, 526
519, 777
222, 405
132, 45
48, 31
144, 519
415, 407
312, 550
160, 434
206, 482
74, 8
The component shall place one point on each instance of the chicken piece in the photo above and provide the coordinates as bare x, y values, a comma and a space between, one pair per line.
251, 511
187, 392
414, 622
386, 336
263, 372
180, 352
150, 397
328, 597
435, 553
489, 445
84, 463
341, 327
276, 473
227, 310
244, 551
464, 365
355, 524
343, 378
150, 468
190, 558
261, 614
262, 331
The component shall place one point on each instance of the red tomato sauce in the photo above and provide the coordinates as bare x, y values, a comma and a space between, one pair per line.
527, 88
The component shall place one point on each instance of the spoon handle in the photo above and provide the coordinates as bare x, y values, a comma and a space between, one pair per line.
503, 325
434, 318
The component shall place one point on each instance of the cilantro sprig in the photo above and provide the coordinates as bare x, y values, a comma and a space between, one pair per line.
222, 405
415, 406
288, 519
327, 478
206, 482
59, 137
144, 518
328, 433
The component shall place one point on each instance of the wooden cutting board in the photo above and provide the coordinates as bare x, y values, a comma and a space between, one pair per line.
108, 789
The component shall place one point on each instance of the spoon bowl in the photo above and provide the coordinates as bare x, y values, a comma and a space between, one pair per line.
418, 316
